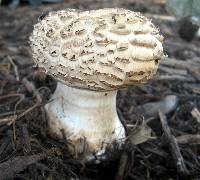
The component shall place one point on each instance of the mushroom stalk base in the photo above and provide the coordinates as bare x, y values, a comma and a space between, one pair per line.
88, 119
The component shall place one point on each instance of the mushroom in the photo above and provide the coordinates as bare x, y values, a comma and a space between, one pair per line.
92, 54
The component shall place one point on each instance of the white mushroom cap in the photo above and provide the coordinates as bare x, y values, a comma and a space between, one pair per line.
98, 50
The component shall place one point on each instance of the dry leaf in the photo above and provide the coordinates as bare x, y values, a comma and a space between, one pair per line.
141, 134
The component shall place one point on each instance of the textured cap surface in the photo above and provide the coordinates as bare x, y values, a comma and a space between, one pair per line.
99, 50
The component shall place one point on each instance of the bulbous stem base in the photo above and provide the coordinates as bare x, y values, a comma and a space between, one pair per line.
87, 119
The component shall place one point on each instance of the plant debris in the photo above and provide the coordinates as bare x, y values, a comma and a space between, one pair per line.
28, 151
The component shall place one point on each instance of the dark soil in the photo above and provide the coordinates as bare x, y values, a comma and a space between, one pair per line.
27, 151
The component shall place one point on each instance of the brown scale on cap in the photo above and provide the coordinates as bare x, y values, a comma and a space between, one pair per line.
111, 48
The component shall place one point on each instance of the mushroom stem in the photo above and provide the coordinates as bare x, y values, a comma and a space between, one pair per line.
88, 119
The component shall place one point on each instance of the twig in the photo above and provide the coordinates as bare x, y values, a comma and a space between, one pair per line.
24, 113
31, 88
160, 2
11, 95
26, 139
5, 120
196, 114
190, 65
15, 109
15, 68
171, 70
10, 113
161, 17
194, 87
188, 139
174, 148
175, 77
9, 120
122, 166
